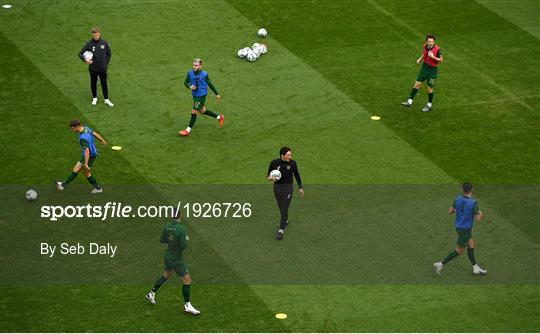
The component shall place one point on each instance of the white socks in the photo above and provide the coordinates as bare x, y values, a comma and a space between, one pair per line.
188, 129
409, 101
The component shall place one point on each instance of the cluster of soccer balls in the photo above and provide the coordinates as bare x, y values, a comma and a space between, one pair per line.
256, 50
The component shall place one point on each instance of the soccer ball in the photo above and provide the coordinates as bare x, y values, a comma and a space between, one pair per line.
242, 53
257, 51
276, 174
88, 55
252, 56
31, 195
263, 48
262, 32
255, 46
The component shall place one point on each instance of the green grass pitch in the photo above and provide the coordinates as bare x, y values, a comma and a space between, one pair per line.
359, 251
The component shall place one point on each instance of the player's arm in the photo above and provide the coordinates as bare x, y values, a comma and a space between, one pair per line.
184, 240
478, 215
298, 179
213, 88
271, 167
419, 60
437, 57
98, 136
109, 53
83, 50
186, 82
86, 158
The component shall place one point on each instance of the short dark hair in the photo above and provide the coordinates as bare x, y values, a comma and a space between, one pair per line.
430, 36
284, 150
74, 123
467, 187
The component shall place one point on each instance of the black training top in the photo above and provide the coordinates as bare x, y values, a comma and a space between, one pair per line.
102, 54
287, 169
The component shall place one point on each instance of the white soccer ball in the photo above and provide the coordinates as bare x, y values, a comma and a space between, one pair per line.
262, 32
263, 48
242, 53
255, 46
276, 174
257, 51
88, 55
252, 56
31, 195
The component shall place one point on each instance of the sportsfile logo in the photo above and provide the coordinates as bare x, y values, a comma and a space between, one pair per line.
109, 210
120, 210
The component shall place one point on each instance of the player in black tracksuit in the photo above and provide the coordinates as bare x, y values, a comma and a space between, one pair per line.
98, 65
283, 188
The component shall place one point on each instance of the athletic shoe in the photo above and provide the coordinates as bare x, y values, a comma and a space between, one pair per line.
94, 101
406, 104
478, 271
97, 190
184, 133
438, 267
279, 234
151, 296
109, 103
426, 109
59, 185
190, 309
221, 120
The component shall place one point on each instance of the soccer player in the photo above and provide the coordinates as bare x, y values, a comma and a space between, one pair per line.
467, 212
88, 156
198, 81
283, 188
176, 238
97, 67
431, 57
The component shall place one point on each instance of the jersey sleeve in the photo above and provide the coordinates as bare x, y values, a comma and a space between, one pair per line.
297, 175
271, 167
186, 81
109, 53
183, 239
439, 53
476, 208
84, 143
211, 85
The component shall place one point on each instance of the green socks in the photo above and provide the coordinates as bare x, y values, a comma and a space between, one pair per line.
185, 292
470, 252
211, 113
70, 178
192, 120
413, 93
430, 97
450, 256
93, 182
159, 282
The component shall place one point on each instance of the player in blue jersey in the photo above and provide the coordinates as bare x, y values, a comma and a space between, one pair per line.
88, 155
198, 81
467, 212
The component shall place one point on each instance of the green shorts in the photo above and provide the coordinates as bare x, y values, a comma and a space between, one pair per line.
463, 237
179, 266
90, 161
430, 76
198, 102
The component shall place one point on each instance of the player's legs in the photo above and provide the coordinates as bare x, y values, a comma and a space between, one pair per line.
430, 84
470, 252
462, 241
74, 172
198, 104
212, 114
103, 82
186, 287
92, 180
283, 199
414, 90
93, 83
151, 296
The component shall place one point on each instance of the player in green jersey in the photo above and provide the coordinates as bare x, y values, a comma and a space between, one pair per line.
430, 58
88, 155
176, 238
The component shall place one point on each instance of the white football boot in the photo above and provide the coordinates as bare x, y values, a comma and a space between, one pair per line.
97, 190
151, 296
109, 103
94, 101
59, 185
438, 267
190, 309
478, 271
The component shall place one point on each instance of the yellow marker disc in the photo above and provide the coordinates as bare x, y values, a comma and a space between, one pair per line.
281, 316
116, 148
375, 118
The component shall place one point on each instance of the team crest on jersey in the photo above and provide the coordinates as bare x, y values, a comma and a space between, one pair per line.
102, 46
93, 48
288, 166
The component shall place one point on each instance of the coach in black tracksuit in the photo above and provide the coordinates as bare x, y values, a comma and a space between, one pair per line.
98, 65
283, 188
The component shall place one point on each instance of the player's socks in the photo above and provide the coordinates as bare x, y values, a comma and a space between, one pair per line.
470, 253
185, 292
430, 98
192, 121
70, 178
159, 282
413, 93
211, 113
450, 256
93, 182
